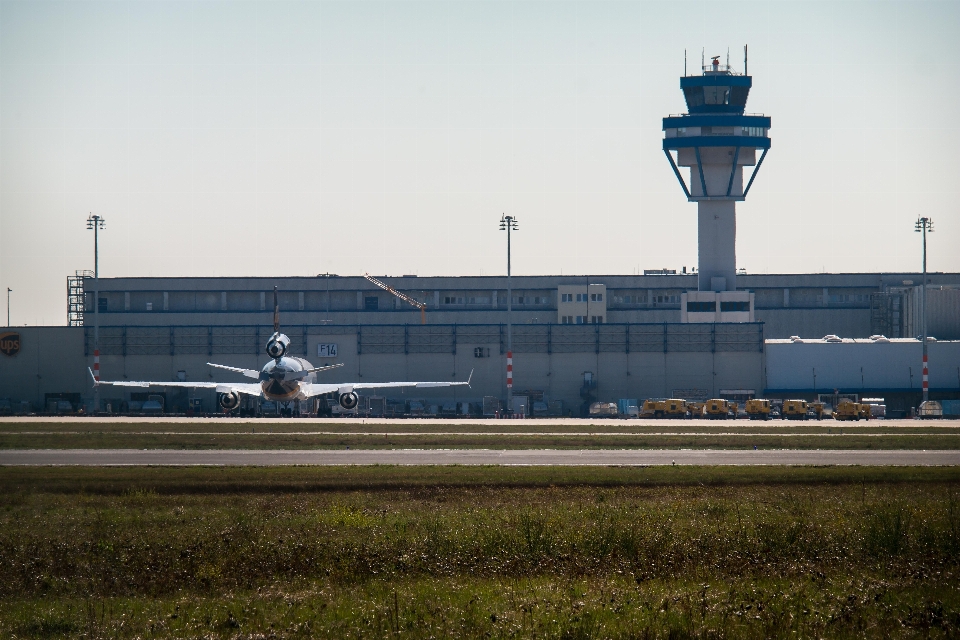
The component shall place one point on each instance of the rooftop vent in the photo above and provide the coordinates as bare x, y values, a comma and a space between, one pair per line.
796, 338
832, 338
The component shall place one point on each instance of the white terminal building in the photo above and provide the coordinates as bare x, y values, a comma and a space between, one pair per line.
695, 334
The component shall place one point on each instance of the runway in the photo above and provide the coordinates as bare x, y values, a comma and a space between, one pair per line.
514, 457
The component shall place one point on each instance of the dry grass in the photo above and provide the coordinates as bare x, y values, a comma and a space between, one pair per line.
466, 552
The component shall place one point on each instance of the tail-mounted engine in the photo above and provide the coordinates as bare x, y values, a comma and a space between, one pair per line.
277, 345
230, 400
349, 400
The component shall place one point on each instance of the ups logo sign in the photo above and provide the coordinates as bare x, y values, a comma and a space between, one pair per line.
10, 343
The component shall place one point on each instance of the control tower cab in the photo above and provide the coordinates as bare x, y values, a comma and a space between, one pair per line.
715, 140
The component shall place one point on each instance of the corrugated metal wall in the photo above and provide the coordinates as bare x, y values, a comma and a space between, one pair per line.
853, 366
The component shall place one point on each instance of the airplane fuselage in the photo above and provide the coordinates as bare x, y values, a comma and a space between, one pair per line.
280, 379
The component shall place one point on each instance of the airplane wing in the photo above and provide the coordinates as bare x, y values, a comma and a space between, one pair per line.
252, 389
346, 387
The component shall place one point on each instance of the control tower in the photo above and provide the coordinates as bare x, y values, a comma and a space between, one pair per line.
716, 140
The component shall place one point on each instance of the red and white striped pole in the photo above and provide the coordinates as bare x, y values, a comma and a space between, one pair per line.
926, 379
96, 365
510, 372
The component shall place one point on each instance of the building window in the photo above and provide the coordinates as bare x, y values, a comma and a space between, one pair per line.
582, 297
596, 297
566, 297
371, 303
566, 320
596, 319
452, 300
103, 305
582, 319
733, 306
702, 307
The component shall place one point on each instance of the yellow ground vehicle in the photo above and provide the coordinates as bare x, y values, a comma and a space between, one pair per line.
794, 410
816, 409
846, 410
650, 409
716, 408
695, 409
758, 409
864, 411
672, 408
733, 408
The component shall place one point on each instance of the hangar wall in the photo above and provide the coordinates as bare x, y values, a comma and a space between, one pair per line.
855, 365
627, 361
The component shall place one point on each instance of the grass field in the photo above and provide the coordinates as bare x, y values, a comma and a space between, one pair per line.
479, 552
510, 434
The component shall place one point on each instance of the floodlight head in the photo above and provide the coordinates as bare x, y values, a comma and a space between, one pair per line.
95, 222
508, 221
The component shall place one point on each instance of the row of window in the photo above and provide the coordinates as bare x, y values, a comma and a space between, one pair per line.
711, 306
581, 297
466, 300
756, 132
843, 298
581, 319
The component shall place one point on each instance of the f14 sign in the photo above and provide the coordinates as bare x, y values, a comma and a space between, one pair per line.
328, 350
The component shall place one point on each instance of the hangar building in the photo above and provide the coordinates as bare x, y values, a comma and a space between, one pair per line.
574, 337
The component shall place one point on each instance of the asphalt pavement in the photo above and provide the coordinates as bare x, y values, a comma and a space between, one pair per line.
512, 457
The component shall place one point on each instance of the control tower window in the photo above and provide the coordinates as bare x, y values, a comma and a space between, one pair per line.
716, 95
694, 96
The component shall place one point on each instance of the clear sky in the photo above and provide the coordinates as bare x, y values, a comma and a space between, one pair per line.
294, 138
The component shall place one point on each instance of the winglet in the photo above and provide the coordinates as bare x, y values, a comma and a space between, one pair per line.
469, 377
96, 382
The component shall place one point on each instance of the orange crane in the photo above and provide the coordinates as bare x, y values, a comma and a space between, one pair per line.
419, 305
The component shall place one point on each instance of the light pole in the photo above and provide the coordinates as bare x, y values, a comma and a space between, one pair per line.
96, 223
508, 224
8, 305
923, 226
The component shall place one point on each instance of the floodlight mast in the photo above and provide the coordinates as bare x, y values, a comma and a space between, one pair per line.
508, 224
924, 225
96, 223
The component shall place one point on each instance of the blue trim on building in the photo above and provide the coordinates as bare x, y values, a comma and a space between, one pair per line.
716, 81
696, 120
716, 141
676, 171
755, 170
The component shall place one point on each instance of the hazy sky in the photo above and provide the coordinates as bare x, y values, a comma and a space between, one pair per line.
293, 138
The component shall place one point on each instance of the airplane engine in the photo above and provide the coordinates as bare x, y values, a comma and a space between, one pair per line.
349, 400
230, 401
277, 345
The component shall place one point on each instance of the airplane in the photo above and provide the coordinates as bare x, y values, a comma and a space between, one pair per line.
282, 379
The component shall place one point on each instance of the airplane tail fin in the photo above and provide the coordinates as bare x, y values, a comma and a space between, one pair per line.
276, 311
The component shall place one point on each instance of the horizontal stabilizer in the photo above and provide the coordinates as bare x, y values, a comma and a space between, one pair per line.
250, 373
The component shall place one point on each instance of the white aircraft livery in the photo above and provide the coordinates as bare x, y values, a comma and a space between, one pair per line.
283, 378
